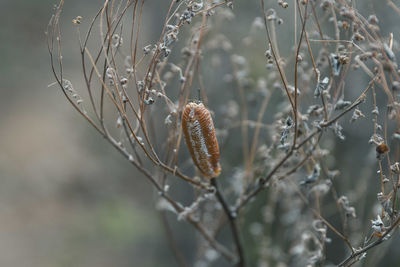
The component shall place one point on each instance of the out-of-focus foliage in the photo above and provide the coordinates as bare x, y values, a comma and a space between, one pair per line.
67, 198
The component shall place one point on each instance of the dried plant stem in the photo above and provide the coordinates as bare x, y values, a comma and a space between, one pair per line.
317, 214
381, 176
392, 5
177, 207
354, 257
258, 126
54, 33
130, 90
276, 58
263, 181
296, 72
232, 223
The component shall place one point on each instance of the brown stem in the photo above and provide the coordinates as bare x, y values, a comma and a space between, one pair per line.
354, 256
232, 223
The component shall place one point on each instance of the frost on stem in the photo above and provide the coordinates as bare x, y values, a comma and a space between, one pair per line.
341, 104
337, 129
312, 178
349, 211
286, 127
385, 203
377, 226
69, 89
357, 114
177, 69
321, 86
190, 210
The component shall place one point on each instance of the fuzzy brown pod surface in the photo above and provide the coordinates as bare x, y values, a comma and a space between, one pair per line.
201, 140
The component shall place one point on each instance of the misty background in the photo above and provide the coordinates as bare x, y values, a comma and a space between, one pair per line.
67, 198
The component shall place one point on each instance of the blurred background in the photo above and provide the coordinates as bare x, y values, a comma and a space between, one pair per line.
67, 198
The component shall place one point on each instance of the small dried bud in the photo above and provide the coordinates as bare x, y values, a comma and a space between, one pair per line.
336, 64
77, 20
343, 59
345, 25
375, 111
358, 37
271, 14
356, 115
124, 81
382, 148
373, 19
321, 86
268, 54
396, 136
341, 104
395, 168
283, 4
147, 49
377, 225
389, 52
149, 101
396, 86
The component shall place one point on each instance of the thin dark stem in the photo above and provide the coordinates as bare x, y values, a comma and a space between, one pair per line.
177, 207
354, 256
263, 181
232, 222
276, 59
296, 76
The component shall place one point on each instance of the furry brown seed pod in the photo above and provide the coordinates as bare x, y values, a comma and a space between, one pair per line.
201, 140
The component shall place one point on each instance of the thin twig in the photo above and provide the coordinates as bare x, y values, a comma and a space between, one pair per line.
232, 222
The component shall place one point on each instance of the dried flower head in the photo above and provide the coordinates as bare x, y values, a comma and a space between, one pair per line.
382, 148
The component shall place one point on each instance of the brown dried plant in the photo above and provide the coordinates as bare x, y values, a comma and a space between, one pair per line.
133, 92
